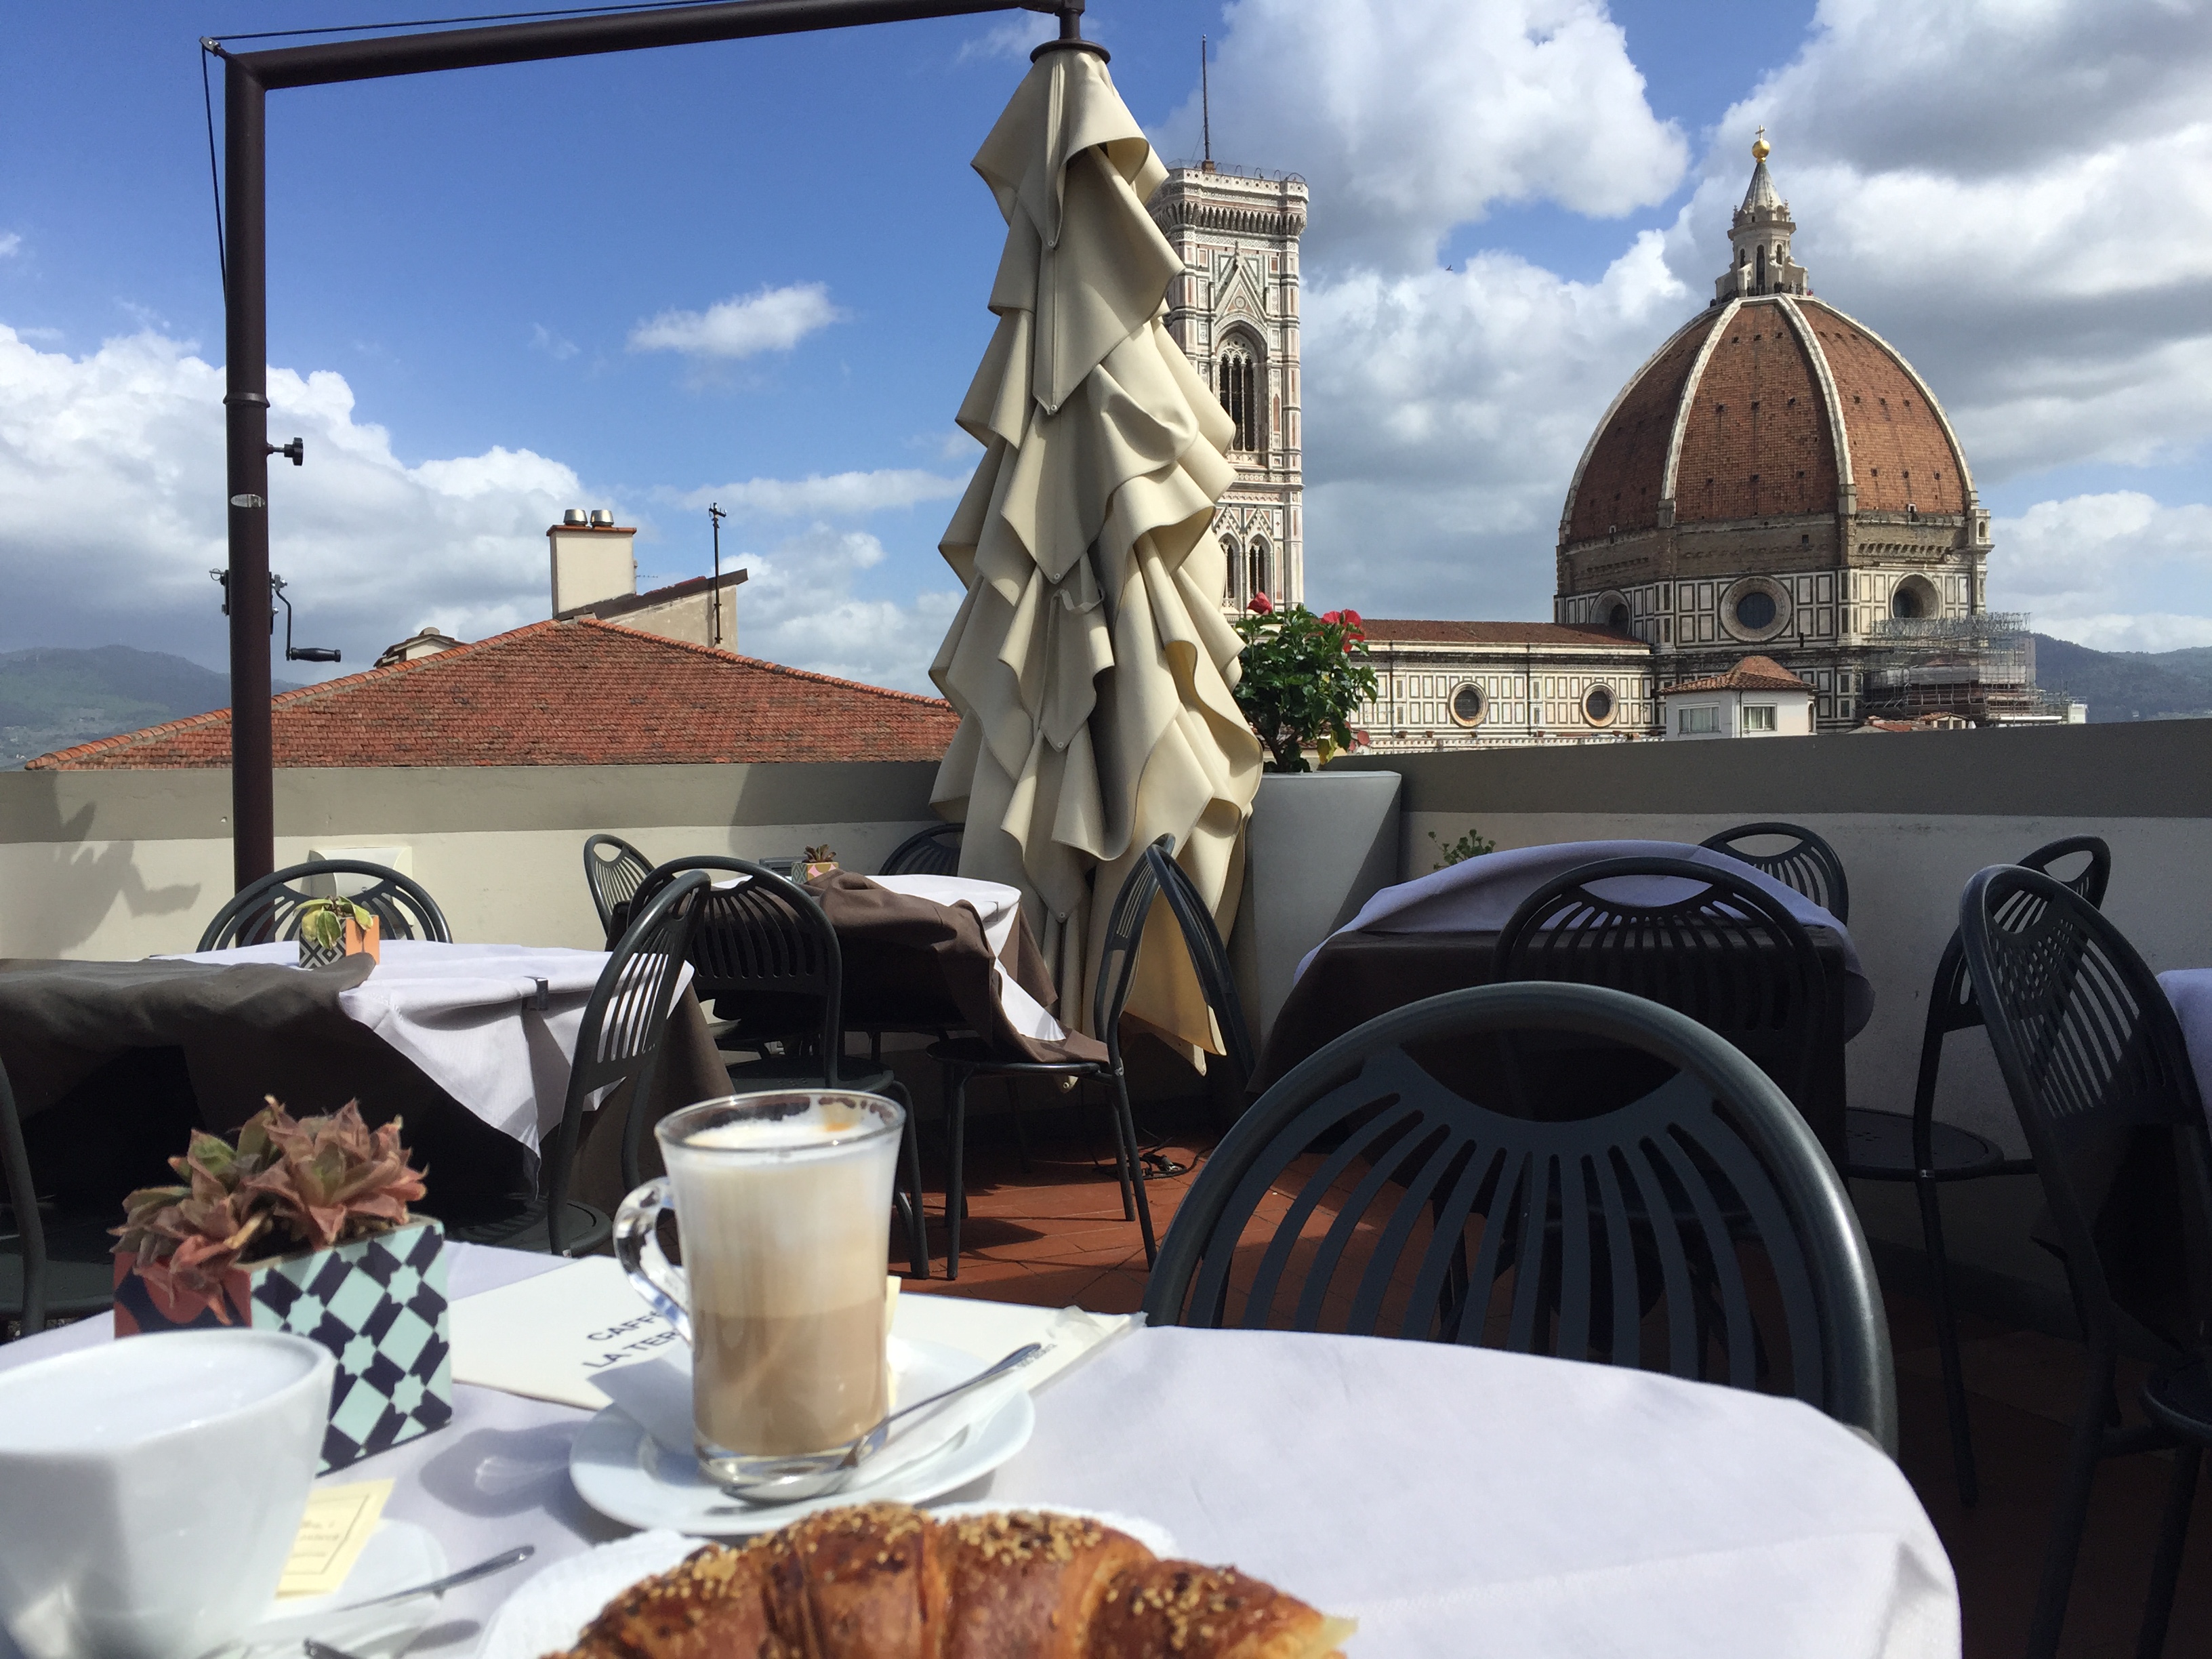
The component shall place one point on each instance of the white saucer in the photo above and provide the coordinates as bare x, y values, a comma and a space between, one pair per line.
546, 1612
620, 1471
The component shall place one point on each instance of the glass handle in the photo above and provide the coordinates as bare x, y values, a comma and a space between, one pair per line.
663, 1286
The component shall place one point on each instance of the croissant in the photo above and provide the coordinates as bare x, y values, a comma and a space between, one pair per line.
882, 1581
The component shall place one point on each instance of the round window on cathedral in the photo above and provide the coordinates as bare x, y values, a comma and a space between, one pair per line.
1913, 598
1754, 611
1468, 705
1617, 619
1599, 705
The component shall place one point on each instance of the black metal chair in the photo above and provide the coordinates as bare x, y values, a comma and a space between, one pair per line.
933, 852
1619, 1238
1726, 953
2100, 1075
1913, 1146
1154, 875
625, 1023
614, 870
1808, 865
268, 911
52, 1265
764, 950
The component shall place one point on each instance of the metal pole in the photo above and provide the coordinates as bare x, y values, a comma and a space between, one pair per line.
246, 411
247, 78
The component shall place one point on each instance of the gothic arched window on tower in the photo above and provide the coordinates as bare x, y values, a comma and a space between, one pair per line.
1256, 569
1238, 382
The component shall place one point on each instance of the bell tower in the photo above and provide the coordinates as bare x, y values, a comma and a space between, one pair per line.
1234, 311
1759, 239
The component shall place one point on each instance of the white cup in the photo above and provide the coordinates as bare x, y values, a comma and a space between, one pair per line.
151, 1489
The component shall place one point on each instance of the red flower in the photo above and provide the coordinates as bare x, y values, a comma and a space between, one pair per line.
1354, 618
1332, 615
1260, 604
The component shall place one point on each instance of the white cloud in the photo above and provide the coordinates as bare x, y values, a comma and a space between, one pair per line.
557, 347
112, 488
837, 495
2114, 570
798, 606
1011, 39
11, 244
772, 320
1410, 117
1447, 410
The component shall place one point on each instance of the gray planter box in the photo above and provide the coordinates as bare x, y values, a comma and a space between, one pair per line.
1320, 845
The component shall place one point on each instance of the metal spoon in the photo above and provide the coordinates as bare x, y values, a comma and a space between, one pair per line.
484, 1568
794, 1479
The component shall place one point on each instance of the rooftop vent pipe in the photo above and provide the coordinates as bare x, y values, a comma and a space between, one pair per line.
575, 515
601, 519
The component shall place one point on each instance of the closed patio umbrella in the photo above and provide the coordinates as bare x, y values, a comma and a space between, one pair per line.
1090, 661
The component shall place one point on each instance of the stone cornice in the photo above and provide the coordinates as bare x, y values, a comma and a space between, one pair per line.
1284, 217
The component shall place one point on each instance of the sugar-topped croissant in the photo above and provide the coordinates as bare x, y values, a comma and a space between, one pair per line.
882, 1581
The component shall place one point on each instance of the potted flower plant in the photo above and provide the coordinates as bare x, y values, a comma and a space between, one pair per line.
333, 929
1303, 677
1321, 842
303, 1226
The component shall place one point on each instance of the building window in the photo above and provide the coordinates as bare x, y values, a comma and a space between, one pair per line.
1238, 382
1599, 705
1256, 564
1760, 717
1755, 610
1703, 721
1468, 705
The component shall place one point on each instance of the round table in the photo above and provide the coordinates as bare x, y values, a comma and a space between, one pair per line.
1455, 1501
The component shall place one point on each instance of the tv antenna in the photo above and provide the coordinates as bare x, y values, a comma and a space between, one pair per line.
714, 517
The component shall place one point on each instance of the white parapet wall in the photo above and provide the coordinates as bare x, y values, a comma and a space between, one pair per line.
124, 865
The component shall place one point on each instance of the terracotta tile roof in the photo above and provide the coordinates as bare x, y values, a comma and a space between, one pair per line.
1751, 674
582, 693
1421, 631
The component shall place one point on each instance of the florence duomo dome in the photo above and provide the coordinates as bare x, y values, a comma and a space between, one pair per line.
1775, 478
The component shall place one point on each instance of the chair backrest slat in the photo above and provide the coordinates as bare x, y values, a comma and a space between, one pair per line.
1699, 1229
1726, 953
2099, 1076
625, 1021
614, 870
1807, 864
267, 911
931, 852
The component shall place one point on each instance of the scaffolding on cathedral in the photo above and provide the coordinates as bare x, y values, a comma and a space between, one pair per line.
1981, 667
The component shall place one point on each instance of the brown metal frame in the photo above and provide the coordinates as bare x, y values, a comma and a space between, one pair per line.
248, 78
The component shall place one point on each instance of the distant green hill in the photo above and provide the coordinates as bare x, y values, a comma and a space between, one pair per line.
2126, 685
51, 697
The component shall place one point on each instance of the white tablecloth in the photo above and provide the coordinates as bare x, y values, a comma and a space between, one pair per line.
465, 1014
1457, 1502
1480, 895
2190, 991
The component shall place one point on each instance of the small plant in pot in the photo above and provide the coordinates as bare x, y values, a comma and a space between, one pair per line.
1302, 677
333, 929
303, 1225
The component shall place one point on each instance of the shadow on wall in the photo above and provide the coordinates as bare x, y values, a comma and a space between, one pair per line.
72, 885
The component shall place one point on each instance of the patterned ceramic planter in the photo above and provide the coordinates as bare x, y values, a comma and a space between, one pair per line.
378, 1304
358, 941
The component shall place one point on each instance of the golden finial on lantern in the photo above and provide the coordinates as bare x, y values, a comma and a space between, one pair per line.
1759, 148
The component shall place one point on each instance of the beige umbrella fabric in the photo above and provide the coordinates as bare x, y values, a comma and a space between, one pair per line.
1090, 662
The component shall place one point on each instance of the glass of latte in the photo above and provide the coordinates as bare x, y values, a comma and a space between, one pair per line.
783, 1205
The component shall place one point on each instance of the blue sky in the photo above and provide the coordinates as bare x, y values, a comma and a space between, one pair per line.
1514, 201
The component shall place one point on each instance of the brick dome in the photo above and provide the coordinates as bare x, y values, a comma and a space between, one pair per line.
1766, 406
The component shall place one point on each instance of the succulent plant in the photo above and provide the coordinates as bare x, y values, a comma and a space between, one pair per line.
322, 921
289, 1183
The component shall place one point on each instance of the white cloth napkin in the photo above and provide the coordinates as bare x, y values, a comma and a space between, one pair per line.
1480, 895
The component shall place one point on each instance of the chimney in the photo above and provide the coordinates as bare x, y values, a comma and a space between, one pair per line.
591, 560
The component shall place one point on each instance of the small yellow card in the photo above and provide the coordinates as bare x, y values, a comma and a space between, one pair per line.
337, 1523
